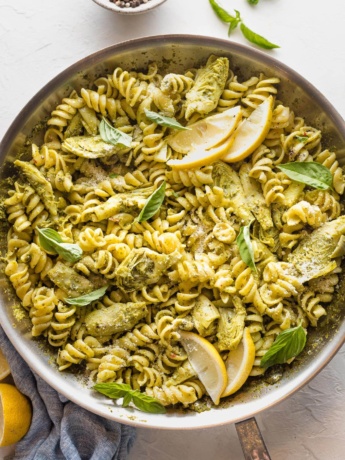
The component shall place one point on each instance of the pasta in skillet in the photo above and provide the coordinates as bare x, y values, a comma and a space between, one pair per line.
181, 269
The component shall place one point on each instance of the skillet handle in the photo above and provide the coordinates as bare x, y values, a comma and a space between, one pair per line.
252, 442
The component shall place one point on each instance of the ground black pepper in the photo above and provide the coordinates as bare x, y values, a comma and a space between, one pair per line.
128, 3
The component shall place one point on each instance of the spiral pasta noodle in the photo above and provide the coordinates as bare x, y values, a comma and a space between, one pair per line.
149, 272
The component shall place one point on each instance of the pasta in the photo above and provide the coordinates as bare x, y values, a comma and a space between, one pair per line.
181, 268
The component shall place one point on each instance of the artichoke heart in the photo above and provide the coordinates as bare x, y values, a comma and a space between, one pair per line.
226, 177
90, 147
142, 267
119, 317
209, 84
67, 279
231, 325
314, 256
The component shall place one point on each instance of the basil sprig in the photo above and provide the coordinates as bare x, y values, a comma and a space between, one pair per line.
87, 298
164, 121
287, 345
141, 401
153, 203
245, 247
112, 135
233, 22
257, 39
310, 173
51, 241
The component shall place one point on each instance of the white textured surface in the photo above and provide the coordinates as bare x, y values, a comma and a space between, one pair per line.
39, 38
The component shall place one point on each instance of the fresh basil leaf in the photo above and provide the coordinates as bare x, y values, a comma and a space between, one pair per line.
153, 203
127, 399
51, 241
221, 13
309, 172
256, 38
142, 401
87, 298
245, 247
146, 403
112, 135
234, 22
164, 121
253, 2
287, 345
302, 138
113, 390
113, 175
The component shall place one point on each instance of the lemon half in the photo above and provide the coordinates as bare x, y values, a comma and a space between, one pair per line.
15, 415
208, 132
207, 363
207, 140
251, 132
239, 363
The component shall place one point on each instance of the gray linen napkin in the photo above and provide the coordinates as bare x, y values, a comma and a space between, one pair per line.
61, 430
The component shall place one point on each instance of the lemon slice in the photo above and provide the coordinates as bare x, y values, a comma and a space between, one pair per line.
16, 414
4, 367
207, 133
201, 157
251, 132
239, 363
206, 362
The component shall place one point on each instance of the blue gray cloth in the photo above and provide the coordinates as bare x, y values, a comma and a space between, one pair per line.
61, 430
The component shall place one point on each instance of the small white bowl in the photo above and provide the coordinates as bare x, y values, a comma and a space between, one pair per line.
129, 10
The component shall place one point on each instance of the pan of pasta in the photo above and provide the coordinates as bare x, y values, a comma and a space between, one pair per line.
173, 231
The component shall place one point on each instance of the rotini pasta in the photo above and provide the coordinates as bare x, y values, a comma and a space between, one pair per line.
181, 268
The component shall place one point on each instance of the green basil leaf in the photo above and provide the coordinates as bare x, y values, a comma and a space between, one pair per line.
153, 203
113, 390
287, 345
302, 138
256, 38
146, 403
142, 401
234, 22
245, 247
164, 121
221, 13
87, 298
310, 173
51, 241
253, 2
127, 399
112, 135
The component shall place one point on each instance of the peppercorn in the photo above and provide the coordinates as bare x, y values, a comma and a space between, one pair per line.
128, 3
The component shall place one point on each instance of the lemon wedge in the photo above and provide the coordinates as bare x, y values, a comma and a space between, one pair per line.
207, 363
239, 363
207, 133
251, 132
4, 367
15, 415
201, 157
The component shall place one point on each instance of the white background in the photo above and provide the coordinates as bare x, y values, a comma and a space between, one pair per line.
38, 39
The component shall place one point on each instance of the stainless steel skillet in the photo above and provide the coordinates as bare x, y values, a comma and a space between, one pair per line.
176, 53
